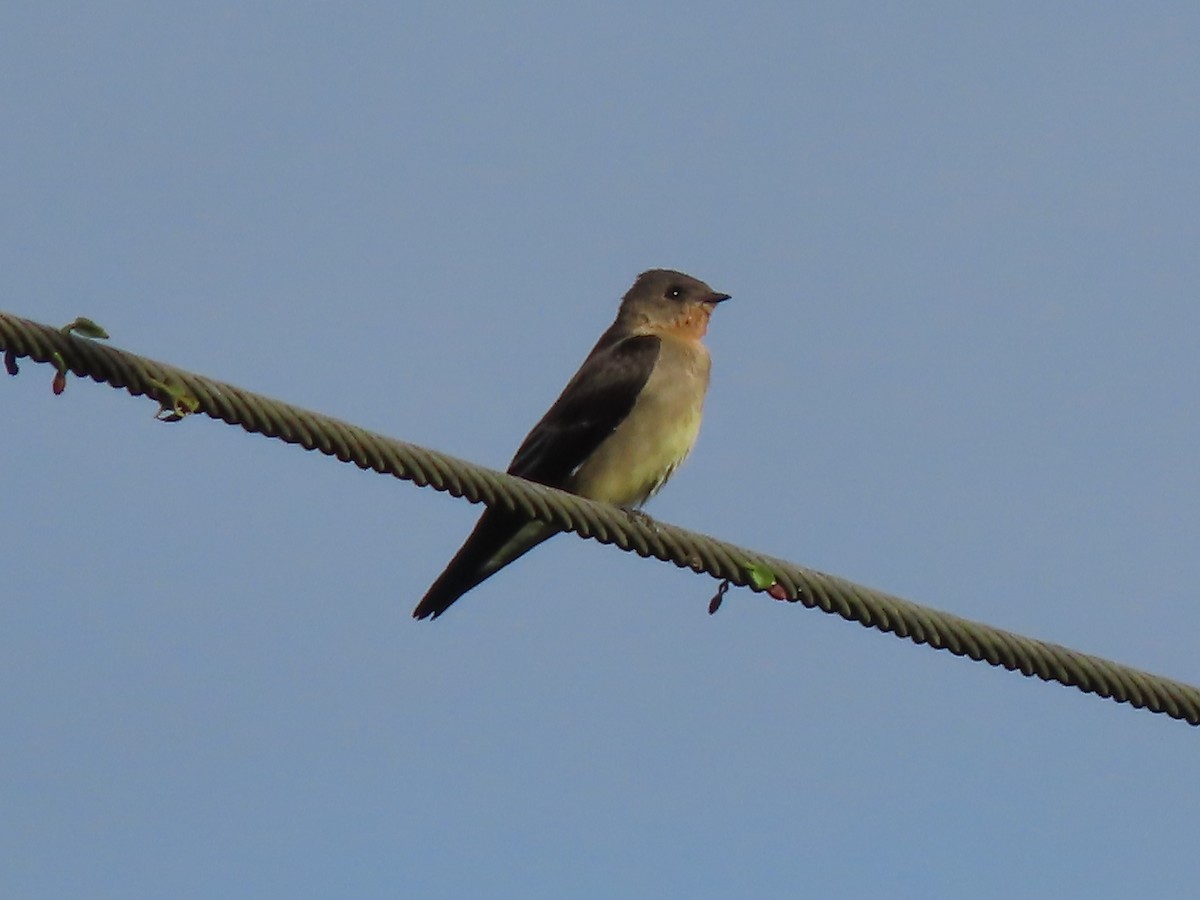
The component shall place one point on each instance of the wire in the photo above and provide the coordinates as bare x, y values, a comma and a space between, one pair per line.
181, 393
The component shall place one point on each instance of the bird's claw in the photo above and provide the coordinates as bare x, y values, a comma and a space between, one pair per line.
639, 517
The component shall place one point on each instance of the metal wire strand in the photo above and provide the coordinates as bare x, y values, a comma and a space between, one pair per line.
174, 388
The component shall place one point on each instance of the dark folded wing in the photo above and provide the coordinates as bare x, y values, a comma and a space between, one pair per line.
589, 409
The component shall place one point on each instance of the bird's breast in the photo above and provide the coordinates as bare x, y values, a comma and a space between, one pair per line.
632, 463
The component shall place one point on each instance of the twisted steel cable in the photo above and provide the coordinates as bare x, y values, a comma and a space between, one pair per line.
180, 392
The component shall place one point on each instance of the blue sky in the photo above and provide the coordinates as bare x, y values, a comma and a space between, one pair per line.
960, 365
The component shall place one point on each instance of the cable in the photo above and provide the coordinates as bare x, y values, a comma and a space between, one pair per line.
180, 393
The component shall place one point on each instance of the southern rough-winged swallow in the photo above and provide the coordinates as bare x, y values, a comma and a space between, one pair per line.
621, 426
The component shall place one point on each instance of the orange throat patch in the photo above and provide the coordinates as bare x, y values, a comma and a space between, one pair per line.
692, 322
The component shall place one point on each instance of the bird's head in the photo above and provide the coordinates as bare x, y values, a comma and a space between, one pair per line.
666, 301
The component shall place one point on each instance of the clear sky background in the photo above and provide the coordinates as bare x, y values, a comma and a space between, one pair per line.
960, 364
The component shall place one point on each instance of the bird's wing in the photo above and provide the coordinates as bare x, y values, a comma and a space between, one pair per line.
589, 409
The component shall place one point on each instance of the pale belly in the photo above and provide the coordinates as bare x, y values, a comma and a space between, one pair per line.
637, 459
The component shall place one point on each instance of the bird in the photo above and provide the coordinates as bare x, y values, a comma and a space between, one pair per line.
616, 433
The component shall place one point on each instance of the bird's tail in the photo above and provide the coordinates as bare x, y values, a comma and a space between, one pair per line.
499, 538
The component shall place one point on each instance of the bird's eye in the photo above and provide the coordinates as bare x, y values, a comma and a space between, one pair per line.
674, 293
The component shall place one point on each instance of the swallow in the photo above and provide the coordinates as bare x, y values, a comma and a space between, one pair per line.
618, 431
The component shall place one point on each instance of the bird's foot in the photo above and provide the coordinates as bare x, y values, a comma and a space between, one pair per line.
636, 515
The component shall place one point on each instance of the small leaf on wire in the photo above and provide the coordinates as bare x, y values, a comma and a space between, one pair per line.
85, 328
760, 576
10, 362
179, 402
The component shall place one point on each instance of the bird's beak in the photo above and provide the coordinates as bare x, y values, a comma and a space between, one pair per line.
714, 298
